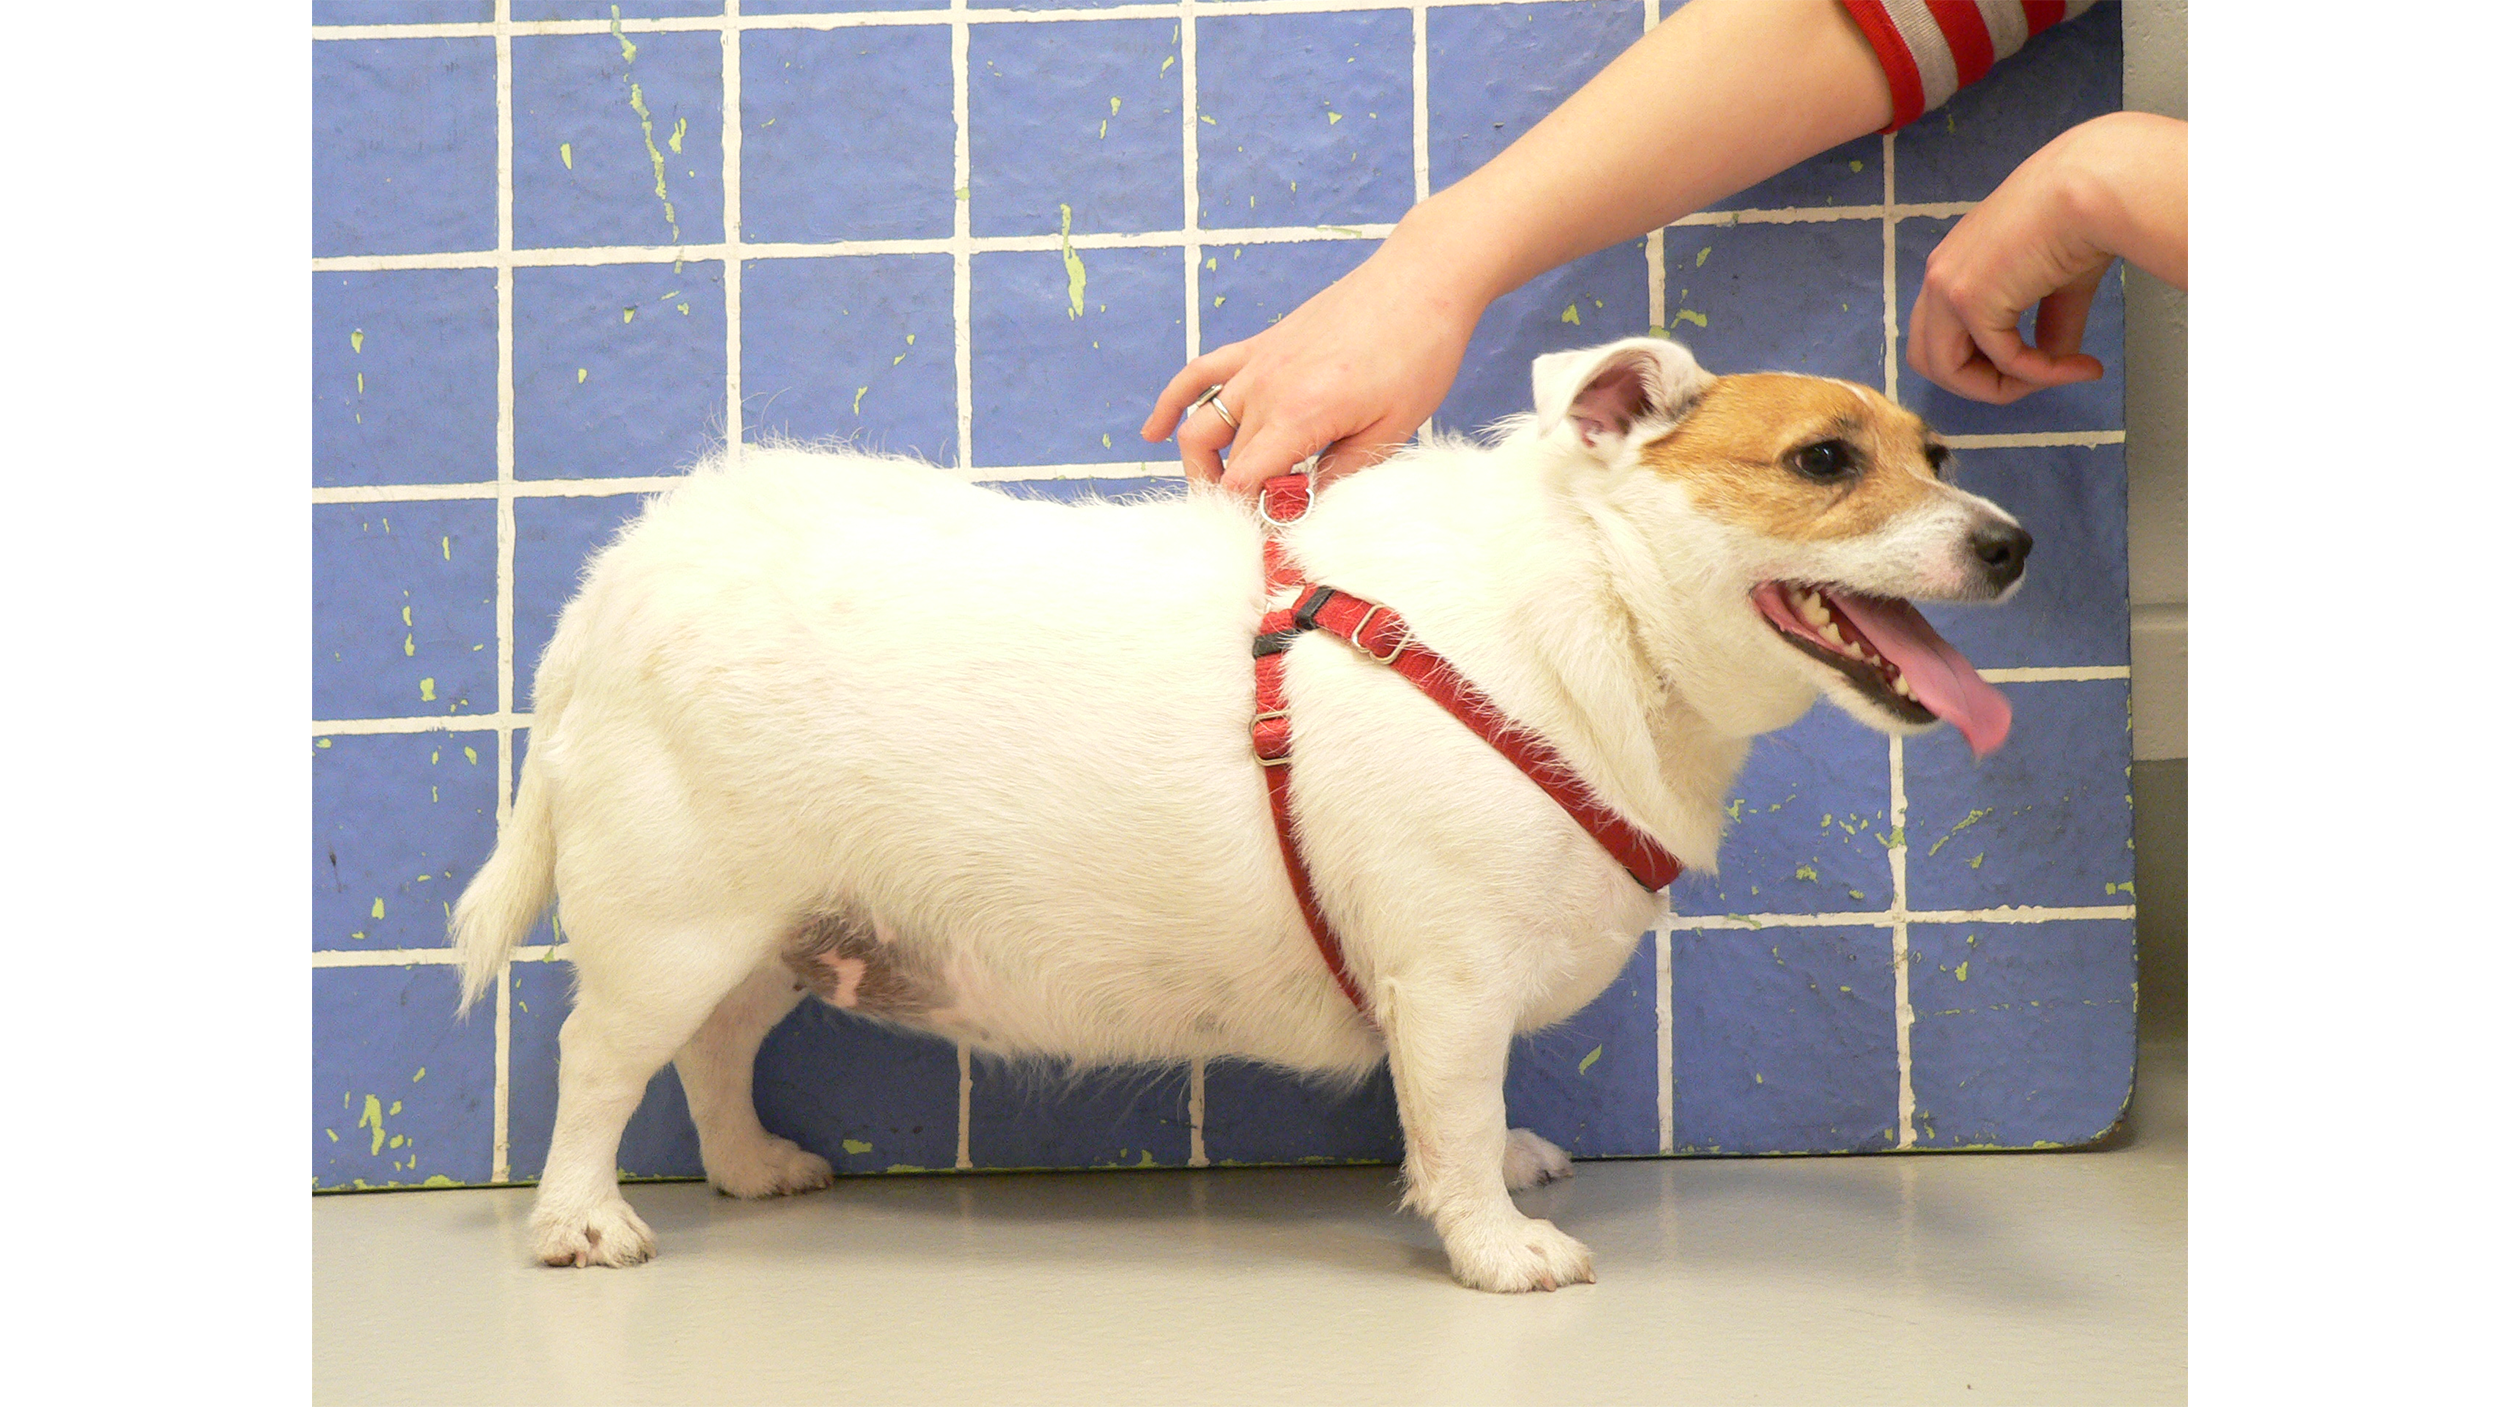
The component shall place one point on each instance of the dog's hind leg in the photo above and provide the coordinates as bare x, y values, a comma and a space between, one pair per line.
643, 995
717, 1066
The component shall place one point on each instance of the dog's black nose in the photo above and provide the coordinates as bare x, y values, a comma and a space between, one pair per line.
2001, 548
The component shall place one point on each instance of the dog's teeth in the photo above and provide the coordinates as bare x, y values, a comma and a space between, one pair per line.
1815, 610
1832, 633
1901, 686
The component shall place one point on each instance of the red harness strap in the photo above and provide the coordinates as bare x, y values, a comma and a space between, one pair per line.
1381, 633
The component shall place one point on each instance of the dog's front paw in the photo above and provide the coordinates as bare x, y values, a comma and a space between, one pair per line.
607, 1234
772, 1167
1509, 1256
1530, 1161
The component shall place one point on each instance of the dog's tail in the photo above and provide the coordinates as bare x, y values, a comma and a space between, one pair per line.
512, 890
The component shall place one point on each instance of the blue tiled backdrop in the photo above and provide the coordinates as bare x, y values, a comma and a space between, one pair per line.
1770, 1008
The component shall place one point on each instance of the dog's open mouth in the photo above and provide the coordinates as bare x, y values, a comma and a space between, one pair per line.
1889, 652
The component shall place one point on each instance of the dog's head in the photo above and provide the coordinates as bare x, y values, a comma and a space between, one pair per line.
1798, 517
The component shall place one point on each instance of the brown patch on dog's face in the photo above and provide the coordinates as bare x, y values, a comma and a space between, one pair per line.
1800, 457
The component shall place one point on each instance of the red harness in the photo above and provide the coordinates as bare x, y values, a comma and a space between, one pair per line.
1381, 633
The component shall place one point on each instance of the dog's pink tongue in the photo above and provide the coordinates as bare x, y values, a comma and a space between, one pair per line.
1946, 683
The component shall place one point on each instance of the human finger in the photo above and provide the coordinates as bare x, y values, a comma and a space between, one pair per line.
1268, 446
1940, 349
2059, 330
1202, 434
1193, 379
1360, 450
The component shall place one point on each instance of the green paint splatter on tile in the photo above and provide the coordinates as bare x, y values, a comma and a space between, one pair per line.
372, 1118
1685, 315
471, 754
580, 375
356, 340
1961, 970
1856, 166
1075, 265
1809, 874
425, 690
1590, 1059
1958, 827
377, 908
1702, 258
2126, 887
856, 397
437, 1180
858, 1145
677, 139
321, 742
1571, 315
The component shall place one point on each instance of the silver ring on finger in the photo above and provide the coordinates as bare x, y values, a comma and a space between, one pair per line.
1209, 396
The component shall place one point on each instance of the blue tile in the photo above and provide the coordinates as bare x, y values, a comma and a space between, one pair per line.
591, 168
552, 539
611, 9
618, 369
402, 11
1039, 1116
1089, 490
1784, 1041
1256, 1114
2072, 608
2090, 405
403, 146
1964, 149
849, 134
1584, 303
1806, 298
1849, 174
1050, 386
1806, 823
403, 609
2024, 1033
403, 1092
404, 377
869, 1098
1590, 1083
1496, 70
861, 349
659, 1140
401, 822
2047, 819
1242, 289
1076, 126
1314, 119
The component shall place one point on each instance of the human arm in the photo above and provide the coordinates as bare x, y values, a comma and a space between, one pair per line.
1720, 95
2112, 188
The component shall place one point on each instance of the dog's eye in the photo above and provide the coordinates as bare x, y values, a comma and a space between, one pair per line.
1824, 460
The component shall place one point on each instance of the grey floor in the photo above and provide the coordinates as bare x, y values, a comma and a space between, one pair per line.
1998, 1278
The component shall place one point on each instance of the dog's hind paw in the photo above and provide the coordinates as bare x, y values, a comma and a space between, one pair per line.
1516, 1254
773, 1167
1530, 1161
609, 1234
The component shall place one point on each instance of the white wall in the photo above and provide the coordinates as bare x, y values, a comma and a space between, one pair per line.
2157, 415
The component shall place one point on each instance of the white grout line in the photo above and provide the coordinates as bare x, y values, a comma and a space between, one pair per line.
858, 19
448, 723
2055, 674
1897, 850
590, 256
507, 536
1198, 1112
963, 1105
1667, 923
959, 245
1664, 1000
2039, 439
1193, 335
732, 221
1886, 918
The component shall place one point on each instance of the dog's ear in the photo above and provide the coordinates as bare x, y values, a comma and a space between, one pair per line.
1606, 391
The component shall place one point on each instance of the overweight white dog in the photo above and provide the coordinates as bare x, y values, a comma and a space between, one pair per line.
835, 724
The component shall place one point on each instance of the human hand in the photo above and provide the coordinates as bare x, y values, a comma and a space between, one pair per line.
2112, 187
1351, 372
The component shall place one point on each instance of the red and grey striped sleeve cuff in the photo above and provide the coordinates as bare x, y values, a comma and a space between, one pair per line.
1931, 49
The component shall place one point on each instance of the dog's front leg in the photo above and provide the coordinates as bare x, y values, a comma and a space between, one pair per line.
1448, 1048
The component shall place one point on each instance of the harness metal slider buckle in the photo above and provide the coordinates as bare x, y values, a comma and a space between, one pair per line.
1365, 624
